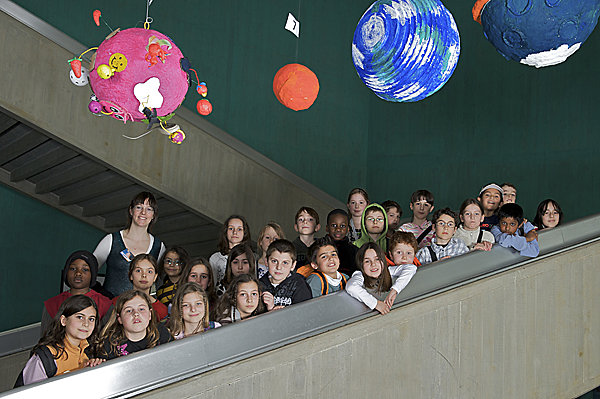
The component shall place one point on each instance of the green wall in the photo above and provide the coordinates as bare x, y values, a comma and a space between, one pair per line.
495, 120
35, 241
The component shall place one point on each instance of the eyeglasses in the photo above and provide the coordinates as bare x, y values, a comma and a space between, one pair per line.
373, 220
443, 224
173, 262
140, 208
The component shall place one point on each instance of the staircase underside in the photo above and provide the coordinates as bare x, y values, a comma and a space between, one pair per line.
60, 176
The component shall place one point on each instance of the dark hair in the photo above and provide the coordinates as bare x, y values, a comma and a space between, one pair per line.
389, 204
420, 195
114, 333
374, 207
403, 237
236, 251
382, 283
137, 259
509, 185
176, 324
223, 244
337, 212
184, 258
470, 201
511, 211
308, 210
283, 246
229, 298
140, 199
319, 243
542, 208
55, 333
358, 190
445, 211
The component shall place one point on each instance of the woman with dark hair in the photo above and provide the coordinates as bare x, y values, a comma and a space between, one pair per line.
119, 248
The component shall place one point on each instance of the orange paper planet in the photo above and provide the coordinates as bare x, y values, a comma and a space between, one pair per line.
296, 86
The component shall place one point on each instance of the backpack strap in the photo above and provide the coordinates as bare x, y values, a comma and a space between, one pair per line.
432, 253
47, 360
343, 282
424, 234
324, 285
480, 236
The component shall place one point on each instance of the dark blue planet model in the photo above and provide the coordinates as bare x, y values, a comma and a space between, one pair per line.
539, 32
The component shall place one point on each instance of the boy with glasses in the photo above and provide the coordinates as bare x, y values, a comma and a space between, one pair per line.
374, 226
444, 244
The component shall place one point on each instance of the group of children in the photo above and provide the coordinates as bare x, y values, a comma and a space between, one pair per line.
365, 251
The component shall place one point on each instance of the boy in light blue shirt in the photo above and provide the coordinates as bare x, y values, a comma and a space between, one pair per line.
513, 232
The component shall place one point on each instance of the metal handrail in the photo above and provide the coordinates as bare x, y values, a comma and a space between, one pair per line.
198, 354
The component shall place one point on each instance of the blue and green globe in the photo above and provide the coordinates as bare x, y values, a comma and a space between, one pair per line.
405, 50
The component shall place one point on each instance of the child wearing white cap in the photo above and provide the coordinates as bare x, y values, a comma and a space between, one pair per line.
490, 197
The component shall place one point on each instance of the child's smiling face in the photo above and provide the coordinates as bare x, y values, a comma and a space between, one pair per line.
328, 261
551, 216
337, 227
193, 308
357, 204
79, 325
372, 265
403, 254
172, 264
490, 199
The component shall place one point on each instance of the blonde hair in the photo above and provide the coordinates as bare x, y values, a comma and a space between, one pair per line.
176, 323
278, 230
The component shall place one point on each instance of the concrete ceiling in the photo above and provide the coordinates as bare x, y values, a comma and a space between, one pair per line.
75, 183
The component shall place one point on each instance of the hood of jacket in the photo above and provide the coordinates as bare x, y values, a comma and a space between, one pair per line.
365, 237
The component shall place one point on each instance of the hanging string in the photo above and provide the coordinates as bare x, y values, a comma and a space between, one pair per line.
197, 80
149, 19
90, 49
298, 39
138, 137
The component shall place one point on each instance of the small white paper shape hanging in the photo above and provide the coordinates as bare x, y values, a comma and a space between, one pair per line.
293, 25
